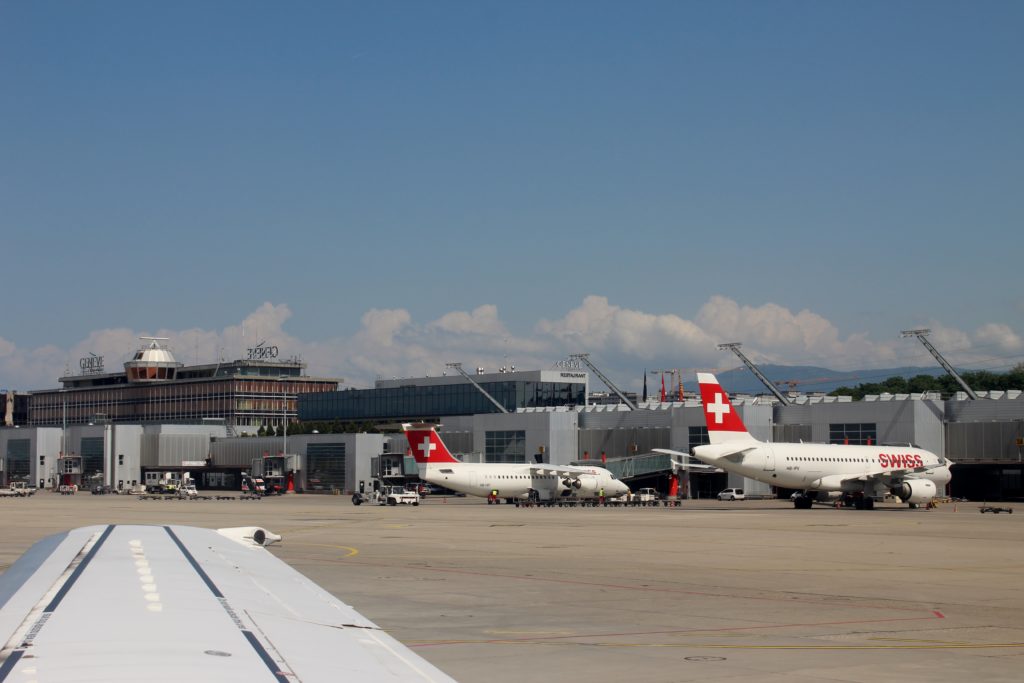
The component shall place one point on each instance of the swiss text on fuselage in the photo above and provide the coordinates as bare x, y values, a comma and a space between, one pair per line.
900, 460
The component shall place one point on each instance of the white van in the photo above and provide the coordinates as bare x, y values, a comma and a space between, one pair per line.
731, 494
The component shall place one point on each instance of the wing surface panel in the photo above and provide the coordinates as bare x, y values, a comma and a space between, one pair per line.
180, 603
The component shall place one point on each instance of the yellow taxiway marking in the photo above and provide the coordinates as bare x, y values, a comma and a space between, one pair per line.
352, 552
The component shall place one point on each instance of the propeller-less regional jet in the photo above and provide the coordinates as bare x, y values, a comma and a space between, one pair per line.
864, 472
537, 482
176, 603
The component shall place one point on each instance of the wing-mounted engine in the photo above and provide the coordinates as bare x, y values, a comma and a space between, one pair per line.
915, 490
587, 485
583, 485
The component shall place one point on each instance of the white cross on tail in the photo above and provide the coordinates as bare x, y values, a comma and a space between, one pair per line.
718, 408
426, 447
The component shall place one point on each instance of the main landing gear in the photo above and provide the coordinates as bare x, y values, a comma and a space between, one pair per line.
858, 501
864, 503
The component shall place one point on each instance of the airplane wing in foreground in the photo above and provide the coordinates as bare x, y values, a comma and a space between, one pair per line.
176, 603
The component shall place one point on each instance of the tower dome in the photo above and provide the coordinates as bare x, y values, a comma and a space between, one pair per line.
154, 362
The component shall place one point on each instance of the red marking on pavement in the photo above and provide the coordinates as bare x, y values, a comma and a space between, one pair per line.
938, 614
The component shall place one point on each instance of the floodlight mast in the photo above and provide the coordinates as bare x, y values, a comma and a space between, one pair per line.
922, 335
735, 348
458, 368
585, 359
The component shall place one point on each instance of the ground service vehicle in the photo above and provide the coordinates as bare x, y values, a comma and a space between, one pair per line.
732, 494
387, 495
18, 489
646, 496
398, 495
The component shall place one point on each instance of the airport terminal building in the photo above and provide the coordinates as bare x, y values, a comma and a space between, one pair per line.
244, 394
437, 397
547, 420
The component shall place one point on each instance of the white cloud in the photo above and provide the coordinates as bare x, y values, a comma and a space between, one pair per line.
999, 336
597, 325
622, 341
483, 320
773, 333
381, 325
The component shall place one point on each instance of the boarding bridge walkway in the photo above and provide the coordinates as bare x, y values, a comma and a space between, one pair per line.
633, 466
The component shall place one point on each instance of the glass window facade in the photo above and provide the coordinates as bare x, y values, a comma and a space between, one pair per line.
698, 437
325, 463
248, 401
505, 446
410, 402
92, 456
855, 433
17, 459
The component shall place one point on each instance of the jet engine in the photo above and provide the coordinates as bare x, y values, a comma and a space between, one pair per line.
570, 483
586, 485
915, 490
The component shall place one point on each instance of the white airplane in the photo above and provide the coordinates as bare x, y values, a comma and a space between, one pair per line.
176, 603
526, 482
863, 472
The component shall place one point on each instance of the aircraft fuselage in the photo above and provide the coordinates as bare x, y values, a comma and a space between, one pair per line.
517, 481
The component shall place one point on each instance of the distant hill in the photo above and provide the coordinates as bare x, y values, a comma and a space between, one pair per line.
812, 379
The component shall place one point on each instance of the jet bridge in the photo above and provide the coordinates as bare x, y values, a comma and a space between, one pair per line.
647, 465
634, 466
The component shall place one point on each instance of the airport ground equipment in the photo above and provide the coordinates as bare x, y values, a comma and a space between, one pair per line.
18, 489
922, 335
995, 510
398, 495
387, 495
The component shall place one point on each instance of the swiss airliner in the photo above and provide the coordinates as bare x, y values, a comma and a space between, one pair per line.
537, 482
865, 473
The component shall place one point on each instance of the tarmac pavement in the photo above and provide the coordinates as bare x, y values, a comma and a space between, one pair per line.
709, 591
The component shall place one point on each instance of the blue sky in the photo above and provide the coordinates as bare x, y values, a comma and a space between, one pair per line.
383, 185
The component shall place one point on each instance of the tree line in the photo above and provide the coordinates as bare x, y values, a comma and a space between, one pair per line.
979, 380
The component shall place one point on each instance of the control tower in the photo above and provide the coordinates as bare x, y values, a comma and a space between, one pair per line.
152, 363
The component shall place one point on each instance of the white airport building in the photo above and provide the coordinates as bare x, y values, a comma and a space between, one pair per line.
984, 437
